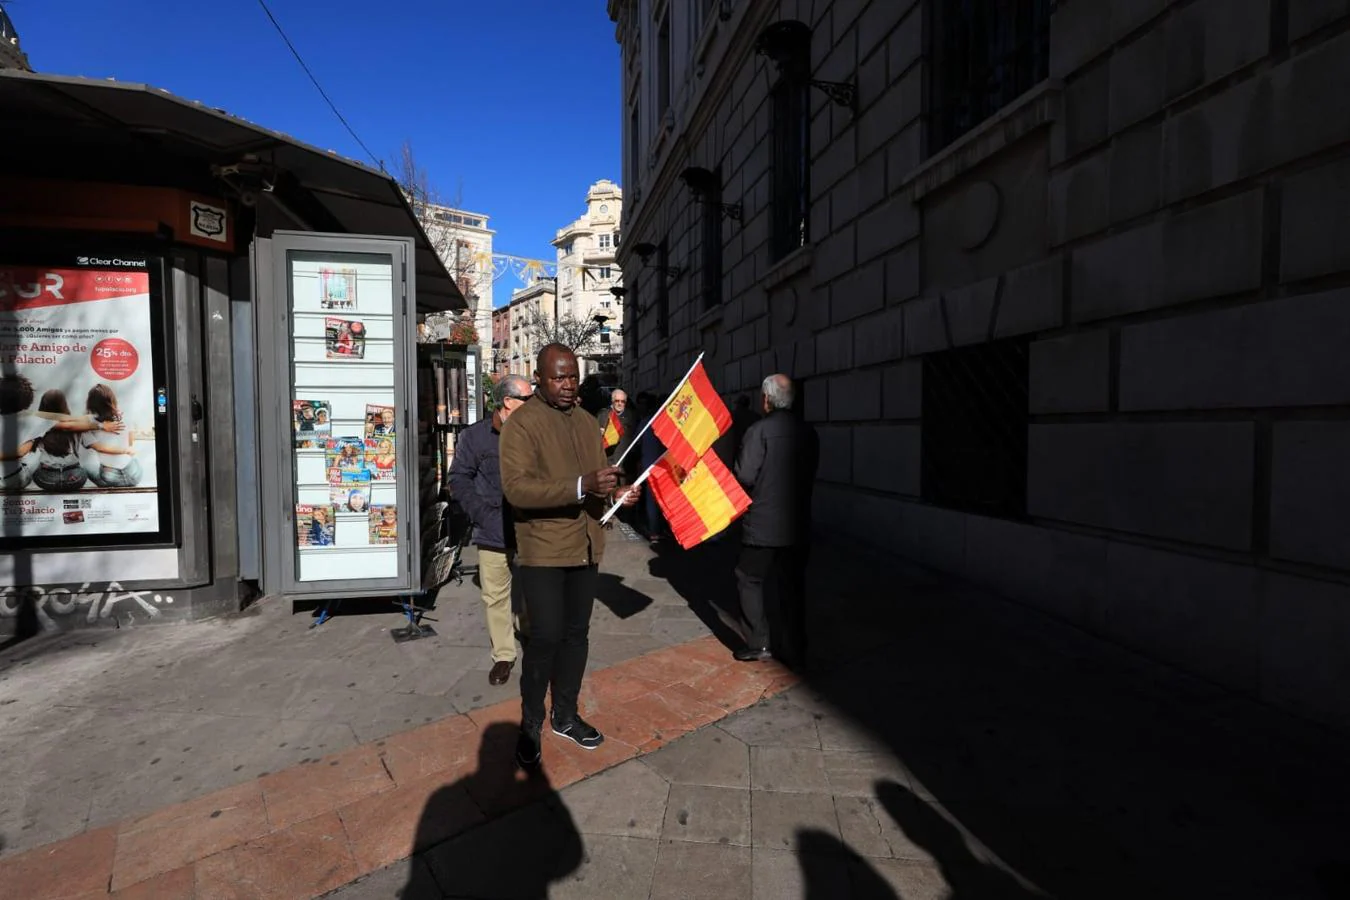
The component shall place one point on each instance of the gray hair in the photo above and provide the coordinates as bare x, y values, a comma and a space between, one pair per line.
511, 386
778, 388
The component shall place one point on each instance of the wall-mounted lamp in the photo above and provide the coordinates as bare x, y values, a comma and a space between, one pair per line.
619, 291
787, 45
645, 251
705, 185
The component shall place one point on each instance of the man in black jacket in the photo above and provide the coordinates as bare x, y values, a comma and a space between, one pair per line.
777, 466
476, 484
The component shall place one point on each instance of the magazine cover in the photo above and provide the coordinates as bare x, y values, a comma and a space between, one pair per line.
384, 524
344, 454
379, 419
337, 288
344, 338
351, 492
312, 421
314, 525
380, 457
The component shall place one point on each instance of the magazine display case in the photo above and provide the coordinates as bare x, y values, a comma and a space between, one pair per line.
340, 460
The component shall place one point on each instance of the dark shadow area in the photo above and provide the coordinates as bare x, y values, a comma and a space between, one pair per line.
711, 599
967, 877
618, 597
529, 840
26, 624
1084, 768
830, 869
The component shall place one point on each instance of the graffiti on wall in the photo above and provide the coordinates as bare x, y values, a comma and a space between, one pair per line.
100, 601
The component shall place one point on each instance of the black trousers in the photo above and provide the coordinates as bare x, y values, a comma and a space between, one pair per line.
558, 603
779, 573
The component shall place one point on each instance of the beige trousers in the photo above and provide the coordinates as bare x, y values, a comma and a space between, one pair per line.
494, 574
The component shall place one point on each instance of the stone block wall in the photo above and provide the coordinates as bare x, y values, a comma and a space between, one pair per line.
1163, 222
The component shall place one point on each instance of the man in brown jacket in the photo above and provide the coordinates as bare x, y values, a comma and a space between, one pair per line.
556, 479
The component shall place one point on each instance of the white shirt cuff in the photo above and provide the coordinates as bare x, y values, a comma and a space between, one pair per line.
581, 495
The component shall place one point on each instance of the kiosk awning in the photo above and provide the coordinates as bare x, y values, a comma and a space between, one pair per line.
112, 117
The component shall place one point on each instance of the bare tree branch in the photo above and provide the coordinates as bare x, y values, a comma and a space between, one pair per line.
578, 335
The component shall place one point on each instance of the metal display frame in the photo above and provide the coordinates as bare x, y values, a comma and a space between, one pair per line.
277, 453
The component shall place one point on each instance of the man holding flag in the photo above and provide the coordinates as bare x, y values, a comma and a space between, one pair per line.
616, 426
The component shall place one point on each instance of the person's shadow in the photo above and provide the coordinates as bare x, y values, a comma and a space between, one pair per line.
514, 854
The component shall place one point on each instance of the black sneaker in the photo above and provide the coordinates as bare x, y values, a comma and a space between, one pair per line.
527, 747
579, 731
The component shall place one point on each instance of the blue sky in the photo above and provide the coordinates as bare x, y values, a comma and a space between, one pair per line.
516, 99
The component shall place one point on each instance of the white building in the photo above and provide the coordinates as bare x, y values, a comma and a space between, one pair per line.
464, 242
587, 273
11, 54
532, 311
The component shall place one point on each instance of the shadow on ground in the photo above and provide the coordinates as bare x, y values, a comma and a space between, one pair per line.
1030, 747
517, 855
619, 598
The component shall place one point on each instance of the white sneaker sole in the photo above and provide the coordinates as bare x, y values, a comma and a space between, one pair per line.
563, 734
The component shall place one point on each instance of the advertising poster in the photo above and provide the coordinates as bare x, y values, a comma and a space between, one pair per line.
337, 288
314, 525
380, 457
344, 339
384, 524
312, 421
78, 436
379, 419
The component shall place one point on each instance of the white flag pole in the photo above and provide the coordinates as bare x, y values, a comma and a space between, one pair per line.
609, 513
644, 428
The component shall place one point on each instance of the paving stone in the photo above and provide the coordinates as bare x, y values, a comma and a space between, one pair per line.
776, 818
408, 879
709, 756
472, 690
329, 783
84, 863
626, 801
709, 815
486, 862
183, 834
612, 867
906, 878
855, 774
791, 769
449, 748
774, 723
305, 860
690, 871
180, 884
393, 825
781, 875
867, 828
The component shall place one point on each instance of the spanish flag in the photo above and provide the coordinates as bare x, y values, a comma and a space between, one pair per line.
694, 418
700, 502
613, 432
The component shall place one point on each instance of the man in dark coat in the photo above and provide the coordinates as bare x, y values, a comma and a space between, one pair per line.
476, 484
777, 465
618, 409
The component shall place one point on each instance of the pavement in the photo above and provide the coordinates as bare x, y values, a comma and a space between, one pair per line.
944, 743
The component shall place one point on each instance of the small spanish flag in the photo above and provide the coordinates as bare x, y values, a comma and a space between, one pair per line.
700, 502
613, 432
694, 418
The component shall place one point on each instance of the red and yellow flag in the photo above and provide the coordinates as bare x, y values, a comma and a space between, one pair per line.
693, 420
700, 502
613, 432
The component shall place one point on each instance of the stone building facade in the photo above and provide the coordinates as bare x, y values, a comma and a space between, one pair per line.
587, 272
1064, 289
531, 312
11, 54
464, 242
500, 361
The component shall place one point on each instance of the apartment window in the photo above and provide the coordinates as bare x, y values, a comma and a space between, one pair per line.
974, 440
567, 249
634, 145
604, 273
604, 334
986, 53
604, 241
791, 139
712, 246
663, 63
662, 291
